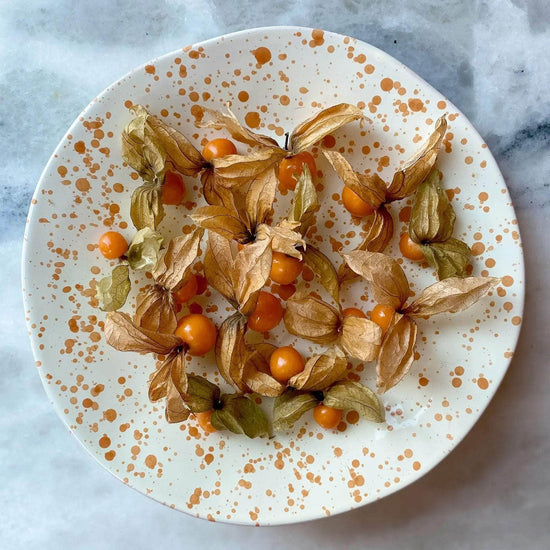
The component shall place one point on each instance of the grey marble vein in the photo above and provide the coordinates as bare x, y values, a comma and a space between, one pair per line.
490, 58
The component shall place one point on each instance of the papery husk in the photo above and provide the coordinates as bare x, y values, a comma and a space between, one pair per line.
257, 375
155, 310
315, 128
449, 258
406, 180
201, 395
289, 407
360, 338
286, 240
113, 290
305, 203
172, 269
158, 385
218, 264
379, 234
175, 409
231, 351
144, 250
322, 267
235, 170
432, 215
241, 415
397, 352
211, 118
146, 208
183, 154
321, 371
141, 148
250, 271
349, 395
214, 193
451, 296
223, 221
260, 196
124, 335
370, 187
312, 319
389, 284
170, 381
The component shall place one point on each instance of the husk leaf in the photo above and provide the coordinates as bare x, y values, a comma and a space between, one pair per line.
312, 319
241, 415
406, 180
321, 371
315, 128
389, 283
113, 290
451, 296
124, 335
397, 352
361, 338
289, 407
349, 395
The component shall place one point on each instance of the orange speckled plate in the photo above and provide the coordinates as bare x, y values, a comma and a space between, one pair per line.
274, 78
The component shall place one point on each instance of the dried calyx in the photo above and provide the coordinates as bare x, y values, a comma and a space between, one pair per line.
390, 288
431, 226
377, 193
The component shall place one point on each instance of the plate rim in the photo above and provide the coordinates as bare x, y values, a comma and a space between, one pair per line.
428, 464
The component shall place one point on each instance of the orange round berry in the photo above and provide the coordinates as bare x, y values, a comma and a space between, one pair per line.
173, 188
198, 332
285, 269
353, 312
267, 314
354, 204
382, 316
218, 148
284, 363
205, 421
410, 249
291, 168
187, 291
327, 417
112, 245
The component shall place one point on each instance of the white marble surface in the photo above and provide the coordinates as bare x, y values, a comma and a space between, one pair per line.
490, 58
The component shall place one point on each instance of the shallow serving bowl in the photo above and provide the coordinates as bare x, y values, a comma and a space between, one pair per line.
273, 78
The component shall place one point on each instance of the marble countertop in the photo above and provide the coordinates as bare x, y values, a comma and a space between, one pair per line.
488, 57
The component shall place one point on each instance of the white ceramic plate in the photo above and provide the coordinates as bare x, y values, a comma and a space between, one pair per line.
274, 78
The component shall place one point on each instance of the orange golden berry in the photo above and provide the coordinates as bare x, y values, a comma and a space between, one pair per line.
112, 245
327, 417
205, 421
218, 148
291, 168
285, 269
382, 316
187, 291
198, 332
354, 204
284, 363
410, 249
173, 188
267, 314
353, 312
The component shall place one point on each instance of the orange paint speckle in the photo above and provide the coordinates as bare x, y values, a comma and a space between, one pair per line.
150, 461
262, 55
252, 119
150, 69
478, 248
386, 84
80, 147
483, 383
104, 442
243, 96
415, 104
507, 280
